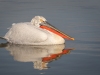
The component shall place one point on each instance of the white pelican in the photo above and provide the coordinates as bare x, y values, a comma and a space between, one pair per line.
36, 32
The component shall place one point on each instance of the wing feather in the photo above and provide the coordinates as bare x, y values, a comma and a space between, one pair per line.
25, 33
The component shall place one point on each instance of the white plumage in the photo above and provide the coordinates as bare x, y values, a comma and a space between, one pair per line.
30, 33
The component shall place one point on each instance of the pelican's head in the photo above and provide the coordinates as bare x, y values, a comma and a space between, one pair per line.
41, 22
38, 20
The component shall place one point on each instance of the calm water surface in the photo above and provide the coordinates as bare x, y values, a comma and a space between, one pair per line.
78, 18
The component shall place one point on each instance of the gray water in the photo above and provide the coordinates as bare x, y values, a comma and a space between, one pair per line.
77, 18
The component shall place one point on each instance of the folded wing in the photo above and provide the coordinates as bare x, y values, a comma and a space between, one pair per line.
25, 33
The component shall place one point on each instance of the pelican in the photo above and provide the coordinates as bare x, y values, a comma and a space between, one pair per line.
36, 32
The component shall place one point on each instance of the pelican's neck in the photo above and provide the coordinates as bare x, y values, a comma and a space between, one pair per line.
35, 22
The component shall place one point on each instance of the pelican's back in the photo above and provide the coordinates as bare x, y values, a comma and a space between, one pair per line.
25, 33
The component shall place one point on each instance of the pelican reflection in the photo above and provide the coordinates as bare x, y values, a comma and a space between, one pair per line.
39, 55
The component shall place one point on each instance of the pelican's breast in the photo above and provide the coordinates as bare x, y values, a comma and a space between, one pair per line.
55, 39
25, 33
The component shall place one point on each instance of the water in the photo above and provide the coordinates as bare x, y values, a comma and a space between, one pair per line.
79, 19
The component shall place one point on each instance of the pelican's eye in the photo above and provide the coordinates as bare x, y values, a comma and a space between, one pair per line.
41, 20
